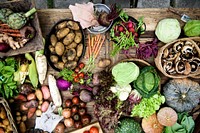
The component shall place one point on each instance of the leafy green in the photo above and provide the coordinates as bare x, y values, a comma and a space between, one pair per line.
8, 87
125, 73
148, 106
128, 125
66, 74
192, 28
185, 124
147, 82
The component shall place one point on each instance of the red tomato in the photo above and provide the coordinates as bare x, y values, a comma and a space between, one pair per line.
81, 65
74, 75
81, 75
75, 100
76, 79
86, 132
94, 129
77, 69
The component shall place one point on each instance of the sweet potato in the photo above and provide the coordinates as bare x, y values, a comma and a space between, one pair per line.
44, 106
31, 104
31, 96
38, 94
20, 97
45, 92
31, 112
69, 38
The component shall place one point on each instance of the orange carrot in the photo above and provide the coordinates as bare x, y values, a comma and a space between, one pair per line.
9, 30
98, 42
89, 48
99, 47
13, 34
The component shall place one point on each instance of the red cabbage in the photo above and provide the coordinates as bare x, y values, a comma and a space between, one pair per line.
147, 49
62, 84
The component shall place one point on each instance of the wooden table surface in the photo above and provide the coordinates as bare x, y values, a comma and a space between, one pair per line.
48, 17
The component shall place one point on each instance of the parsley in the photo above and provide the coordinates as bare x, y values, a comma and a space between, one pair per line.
66, 74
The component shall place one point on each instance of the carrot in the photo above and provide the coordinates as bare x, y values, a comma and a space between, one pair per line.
13, 34
88, 47
98, 42
9, 30
4, 25
99, 47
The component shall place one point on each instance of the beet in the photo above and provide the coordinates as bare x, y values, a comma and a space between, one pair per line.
103, 19
4, 47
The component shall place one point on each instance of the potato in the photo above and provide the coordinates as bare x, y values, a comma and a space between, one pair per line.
62, 33
71, 54
3, 113
40, 102
79, 50
45, 92
38, 112
71, 64
68, 39
44, 106
71, 45
52, 49
78, 36
39, 94
60, 65
22, 127
73, 25
54, 58
24, 118
61, 25
6, 122
31, 112
59, 48
18, 118
104, 63
31, 96
53, 40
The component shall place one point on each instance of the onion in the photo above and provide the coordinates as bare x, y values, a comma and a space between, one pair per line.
62, 84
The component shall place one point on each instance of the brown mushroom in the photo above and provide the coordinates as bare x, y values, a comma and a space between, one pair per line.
167, 65
194, 66
197, 60
180, 67
187, 49
165, 53
187, 68
187, 56
177, 46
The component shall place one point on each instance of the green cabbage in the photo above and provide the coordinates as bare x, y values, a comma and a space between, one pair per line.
168, 30
125, 73
192, 28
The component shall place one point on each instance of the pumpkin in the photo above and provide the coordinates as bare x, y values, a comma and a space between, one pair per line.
182, 94
167, 116
152, 125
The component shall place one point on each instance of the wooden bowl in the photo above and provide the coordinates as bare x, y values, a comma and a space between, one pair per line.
164, 58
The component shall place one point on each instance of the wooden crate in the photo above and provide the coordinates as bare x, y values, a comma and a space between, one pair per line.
34, 44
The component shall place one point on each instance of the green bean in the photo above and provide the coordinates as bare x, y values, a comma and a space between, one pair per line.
32, 71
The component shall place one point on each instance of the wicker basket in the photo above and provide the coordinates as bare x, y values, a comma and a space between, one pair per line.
8, 113
158, 60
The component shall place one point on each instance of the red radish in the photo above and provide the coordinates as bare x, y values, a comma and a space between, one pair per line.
131, 30
136, 34
120, 28
130, 24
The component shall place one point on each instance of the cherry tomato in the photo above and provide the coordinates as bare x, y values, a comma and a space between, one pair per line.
77, 69
81, 75
75, 100
94, 129
76, 79
86, 132
81, 65
74, 74
68, 103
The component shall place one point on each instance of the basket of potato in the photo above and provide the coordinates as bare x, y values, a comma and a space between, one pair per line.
65, 45
7, 123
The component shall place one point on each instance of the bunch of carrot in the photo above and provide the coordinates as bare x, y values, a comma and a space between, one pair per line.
4, 28
94, 45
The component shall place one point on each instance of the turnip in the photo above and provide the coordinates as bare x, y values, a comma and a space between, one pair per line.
86, 96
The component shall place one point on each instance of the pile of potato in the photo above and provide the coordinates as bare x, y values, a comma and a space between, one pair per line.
5, 125
66, 45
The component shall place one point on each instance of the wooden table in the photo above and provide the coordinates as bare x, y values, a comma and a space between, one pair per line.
48, 17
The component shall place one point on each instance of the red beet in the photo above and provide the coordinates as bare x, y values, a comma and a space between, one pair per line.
4, 47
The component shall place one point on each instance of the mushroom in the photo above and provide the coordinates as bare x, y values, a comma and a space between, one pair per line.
71, 64
71, 54
187, 56
167, 65
165, 53
197, 60
172, 71
189, 43
187, 49
177, 46
177, 57
172, 57
187, 68
194, 66
180, 67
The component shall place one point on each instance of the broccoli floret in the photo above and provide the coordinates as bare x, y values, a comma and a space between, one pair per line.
128, 125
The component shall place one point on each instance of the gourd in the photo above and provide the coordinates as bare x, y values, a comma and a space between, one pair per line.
152, 125
192, 28
167, 116
182, 94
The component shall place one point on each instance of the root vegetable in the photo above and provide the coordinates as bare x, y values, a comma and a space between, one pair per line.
61, 25
73, 25
104, 63
59, 48
53, 39
79, 50
18, 118
38, 112
66, 113
59, 128
62, 33
3, 113
6, 122
26, 89
23, 108
38, 94
20, 97
69, 122
45, 92
68, 39
40, 102
24, 118
4, 47
31, 112
22, 127
44, 106
85, 96
78, 36
31, 104
31, 96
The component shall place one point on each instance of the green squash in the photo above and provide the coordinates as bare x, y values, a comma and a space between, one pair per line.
182, 94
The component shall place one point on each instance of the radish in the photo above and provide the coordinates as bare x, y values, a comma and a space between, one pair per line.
130, 25
120, 28
131, 30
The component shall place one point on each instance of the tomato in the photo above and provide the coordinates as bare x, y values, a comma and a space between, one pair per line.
75, 100
74, 74
94, 129
81, 65
76, 79
77, 69
86, 132
68, 103
81, 75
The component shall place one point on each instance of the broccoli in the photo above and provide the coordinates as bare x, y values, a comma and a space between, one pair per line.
128, 125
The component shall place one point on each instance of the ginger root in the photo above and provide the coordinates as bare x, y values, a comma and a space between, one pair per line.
12, 43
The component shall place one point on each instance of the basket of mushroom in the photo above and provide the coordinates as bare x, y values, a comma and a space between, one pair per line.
179, 59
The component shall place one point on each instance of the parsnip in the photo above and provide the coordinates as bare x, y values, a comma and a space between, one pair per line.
41, 64
55, 94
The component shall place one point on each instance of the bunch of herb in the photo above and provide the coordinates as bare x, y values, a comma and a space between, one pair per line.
8, 87
66, 74
125, 38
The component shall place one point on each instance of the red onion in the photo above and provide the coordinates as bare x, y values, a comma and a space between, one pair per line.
62, 84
